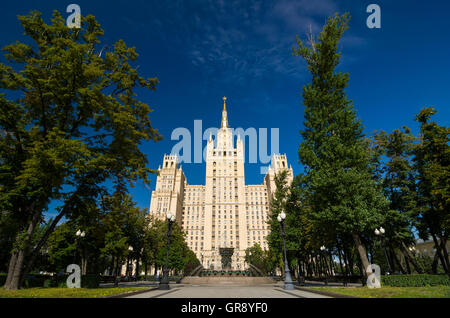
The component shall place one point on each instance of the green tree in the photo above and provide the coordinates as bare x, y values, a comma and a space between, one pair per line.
8, 229
301, 234
399, 187
118, 207
178, 252
258, 258
191, 261
70, 120
342, 192
431, 161
278, 205
154, 241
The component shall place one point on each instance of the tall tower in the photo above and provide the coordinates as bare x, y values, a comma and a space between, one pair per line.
168, 194
278, 164
224, 197
224, 214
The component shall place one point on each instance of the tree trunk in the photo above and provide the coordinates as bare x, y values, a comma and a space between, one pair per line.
332, 265
18, 273
408, 268
36, 250
445, 252
340, 262
12, 265
434, 265
349, 261
361, 271
138, 267
316, 267
396, 260
410, 258
14, 281
116, 273
362, 253
439, 253
347, 265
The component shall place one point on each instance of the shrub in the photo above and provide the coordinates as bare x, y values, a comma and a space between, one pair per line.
47, 281
3, 278
419, 280
90, 281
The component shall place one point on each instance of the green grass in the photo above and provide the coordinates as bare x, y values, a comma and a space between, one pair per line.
65, 292
390, 292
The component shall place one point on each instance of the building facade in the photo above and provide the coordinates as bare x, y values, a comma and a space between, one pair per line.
225, 213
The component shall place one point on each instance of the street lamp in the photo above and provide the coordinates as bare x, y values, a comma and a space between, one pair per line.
79, 234
202, 257
380, 232
129, 270
164, 284
324, 261
288, 284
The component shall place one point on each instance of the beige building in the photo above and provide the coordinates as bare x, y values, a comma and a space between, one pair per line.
225, 212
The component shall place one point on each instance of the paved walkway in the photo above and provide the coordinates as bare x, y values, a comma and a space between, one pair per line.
196, 291
311, 283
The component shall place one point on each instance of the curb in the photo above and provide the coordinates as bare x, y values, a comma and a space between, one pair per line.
324, 293
132, 293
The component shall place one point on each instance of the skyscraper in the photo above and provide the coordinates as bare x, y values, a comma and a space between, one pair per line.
225, 214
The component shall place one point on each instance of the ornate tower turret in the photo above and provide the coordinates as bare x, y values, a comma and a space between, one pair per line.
224, 114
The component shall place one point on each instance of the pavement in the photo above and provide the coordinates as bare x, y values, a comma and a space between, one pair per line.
211, 291
331, 284
226, 291
132, 284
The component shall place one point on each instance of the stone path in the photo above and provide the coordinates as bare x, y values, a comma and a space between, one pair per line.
208, 291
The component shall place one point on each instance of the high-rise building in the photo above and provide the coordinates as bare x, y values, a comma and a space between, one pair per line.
225, 213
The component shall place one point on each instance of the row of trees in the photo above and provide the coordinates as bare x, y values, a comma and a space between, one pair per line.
71, 127
353, 185
116, 233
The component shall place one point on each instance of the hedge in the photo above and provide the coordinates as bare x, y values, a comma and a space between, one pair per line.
3, 278
47, 281
418, 280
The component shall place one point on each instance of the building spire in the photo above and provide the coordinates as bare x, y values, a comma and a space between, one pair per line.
224, 114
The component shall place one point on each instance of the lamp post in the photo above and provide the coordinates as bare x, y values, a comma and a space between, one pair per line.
129, 271
322, 252
380, 233
203, 254
79, 234
288, 284
164, 284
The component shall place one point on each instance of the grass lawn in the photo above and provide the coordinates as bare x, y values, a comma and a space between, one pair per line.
390, 292
65, 292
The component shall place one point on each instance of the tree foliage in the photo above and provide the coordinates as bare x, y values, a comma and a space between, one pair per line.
342, 193
70, 120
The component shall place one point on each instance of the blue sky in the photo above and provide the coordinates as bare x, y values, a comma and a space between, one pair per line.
203, 50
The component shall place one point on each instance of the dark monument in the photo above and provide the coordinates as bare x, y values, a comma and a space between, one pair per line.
226, 253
